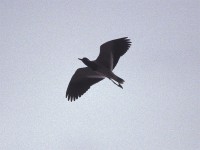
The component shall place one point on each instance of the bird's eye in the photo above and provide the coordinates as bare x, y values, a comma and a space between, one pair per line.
85, 58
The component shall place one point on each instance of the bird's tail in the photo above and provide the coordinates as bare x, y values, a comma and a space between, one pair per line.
119, 80
115, 78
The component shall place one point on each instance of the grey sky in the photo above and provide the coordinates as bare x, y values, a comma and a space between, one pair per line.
159, 107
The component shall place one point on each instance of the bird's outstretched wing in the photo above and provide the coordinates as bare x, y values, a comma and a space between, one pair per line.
80, 82
111, 51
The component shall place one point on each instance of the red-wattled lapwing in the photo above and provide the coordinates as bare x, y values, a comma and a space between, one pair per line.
97, 70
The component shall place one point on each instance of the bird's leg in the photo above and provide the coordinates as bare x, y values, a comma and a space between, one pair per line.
119, 85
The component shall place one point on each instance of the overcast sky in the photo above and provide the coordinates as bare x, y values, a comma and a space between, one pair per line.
159, 107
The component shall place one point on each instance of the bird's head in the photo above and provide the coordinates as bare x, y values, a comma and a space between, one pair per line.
84, 59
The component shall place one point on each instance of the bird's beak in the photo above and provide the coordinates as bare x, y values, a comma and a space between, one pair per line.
79, 58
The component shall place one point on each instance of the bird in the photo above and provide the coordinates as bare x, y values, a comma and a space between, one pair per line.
98, 69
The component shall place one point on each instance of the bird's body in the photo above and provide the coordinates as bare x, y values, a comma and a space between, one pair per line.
101, 70
97, 70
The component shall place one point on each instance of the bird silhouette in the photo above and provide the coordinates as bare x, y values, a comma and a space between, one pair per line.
97, 70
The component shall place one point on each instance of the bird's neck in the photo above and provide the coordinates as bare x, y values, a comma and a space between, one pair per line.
91, 65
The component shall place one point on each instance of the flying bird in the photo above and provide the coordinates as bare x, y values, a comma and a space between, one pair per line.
98, 69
